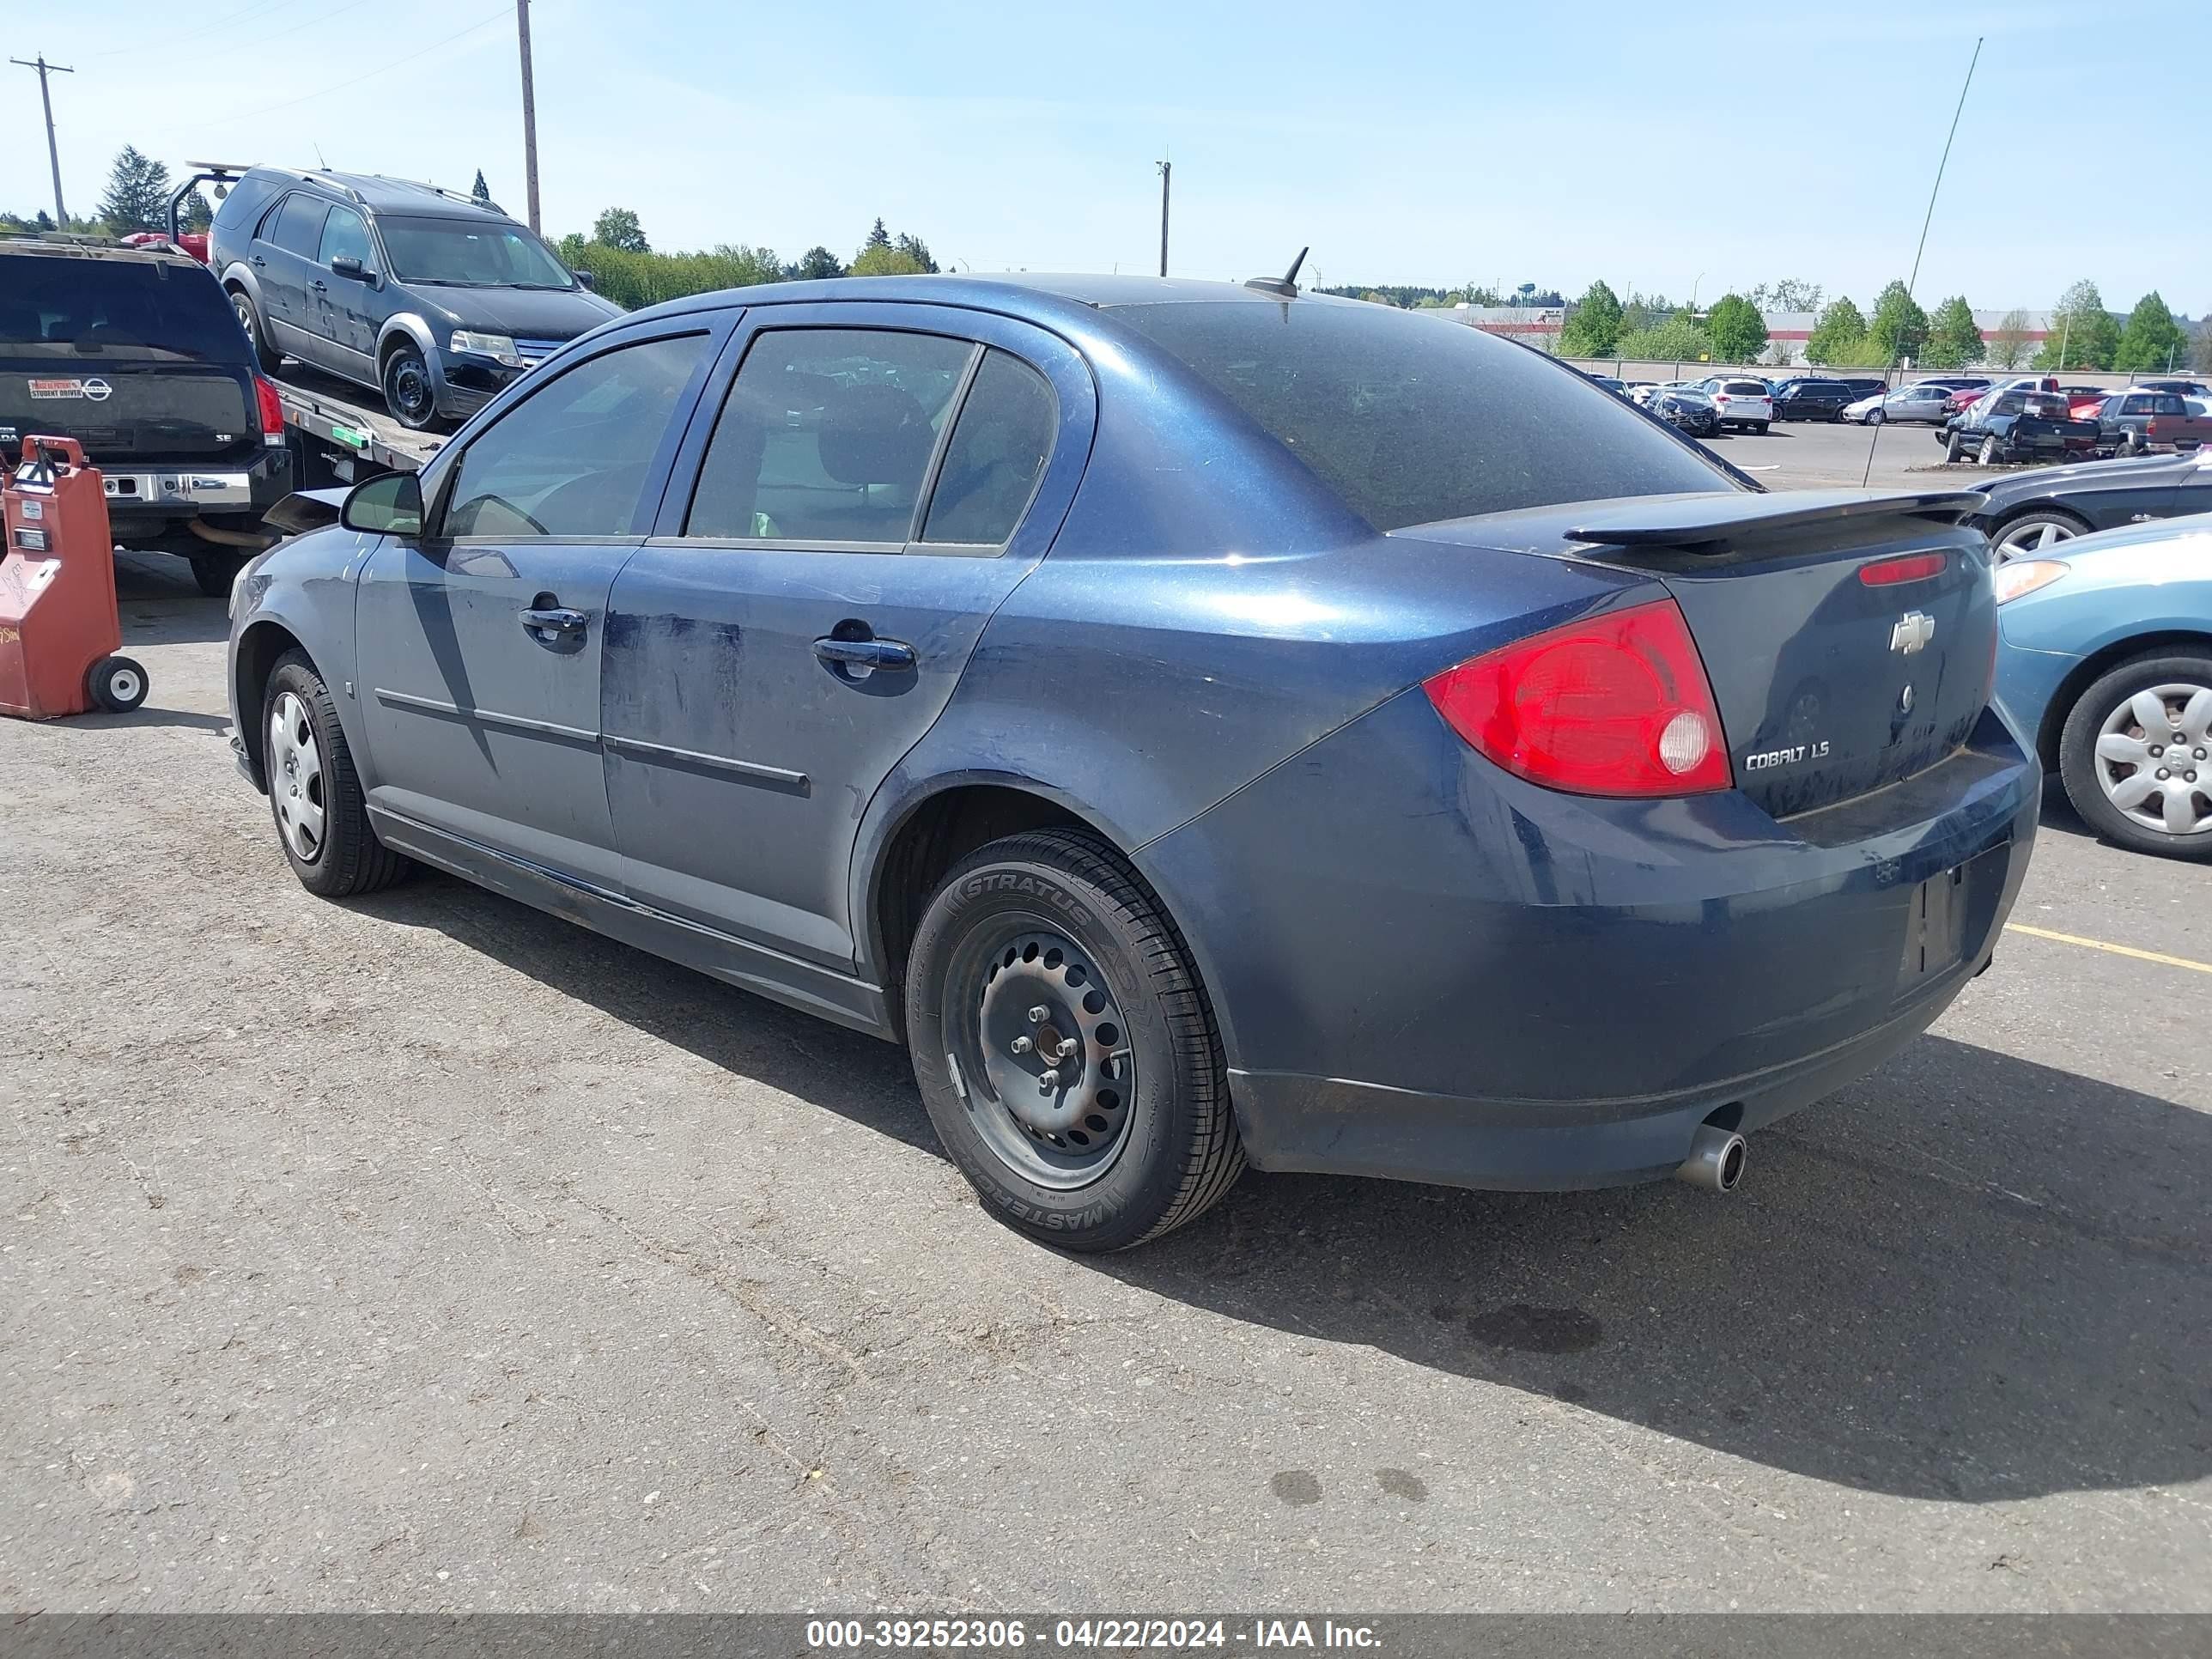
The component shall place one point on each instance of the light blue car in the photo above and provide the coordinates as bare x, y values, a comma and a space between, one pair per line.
2104, 664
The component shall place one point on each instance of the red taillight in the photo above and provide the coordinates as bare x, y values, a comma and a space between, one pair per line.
1913, 567
1617, 704
272, 407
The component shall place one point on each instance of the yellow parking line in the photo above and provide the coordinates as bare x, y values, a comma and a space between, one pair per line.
2115, 949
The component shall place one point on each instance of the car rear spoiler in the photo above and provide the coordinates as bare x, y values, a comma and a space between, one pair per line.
1708, 525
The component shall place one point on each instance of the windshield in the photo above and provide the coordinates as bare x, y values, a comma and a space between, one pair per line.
470, 253
78, 307
1413, 419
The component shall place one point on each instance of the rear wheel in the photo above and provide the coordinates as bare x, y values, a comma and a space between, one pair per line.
1954, 447
1759, 427
314, 793
2135, 755
2031, 534
1065, 1048
266, 357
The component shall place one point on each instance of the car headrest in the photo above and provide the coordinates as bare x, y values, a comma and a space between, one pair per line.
874, 434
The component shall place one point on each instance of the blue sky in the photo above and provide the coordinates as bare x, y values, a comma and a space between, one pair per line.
1652, 146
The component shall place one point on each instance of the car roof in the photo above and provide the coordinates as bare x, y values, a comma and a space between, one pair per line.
64, 247
380, 194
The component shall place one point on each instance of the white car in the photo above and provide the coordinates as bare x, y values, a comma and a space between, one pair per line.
1644, 393
1741, 402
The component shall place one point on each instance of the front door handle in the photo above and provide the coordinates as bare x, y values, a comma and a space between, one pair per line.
320, 286
259, 262
864, 653
548, 622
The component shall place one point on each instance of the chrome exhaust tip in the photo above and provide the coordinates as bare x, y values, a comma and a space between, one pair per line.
1716, 1160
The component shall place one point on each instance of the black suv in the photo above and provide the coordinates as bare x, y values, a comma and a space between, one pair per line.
1812, 399
434, 298
132, 352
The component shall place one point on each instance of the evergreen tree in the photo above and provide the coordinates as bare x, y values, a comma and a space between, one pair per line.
137, 196
818, 262
1900, 326
2152, 338
480, 191
916, 250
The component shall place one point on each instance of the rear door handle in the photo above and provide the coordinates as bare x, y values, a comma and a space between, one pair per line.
557, 621
864, 653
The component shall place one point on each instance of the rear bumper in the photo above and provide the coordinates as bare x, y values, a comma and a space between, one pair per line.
162, 493
1488, 984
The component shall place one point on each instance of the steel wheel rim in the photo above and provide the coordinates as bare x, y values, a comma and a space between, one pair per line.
410, 386
123, 684
2155, 759
2025, 540
296, 777
1052, 1097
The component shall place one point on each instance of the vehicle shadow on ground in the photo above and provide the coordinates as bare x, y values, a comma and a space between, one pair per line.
1968, 1277
159, 605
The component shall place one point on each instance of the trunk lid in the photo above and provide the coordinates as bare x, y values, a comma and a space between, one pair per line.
1829, 687
127, 412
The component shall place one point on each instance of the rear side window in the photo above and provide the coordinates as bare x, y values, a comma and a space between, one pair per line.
88, 309
573, 458
827, 436
1413, 419
298, 225
2138, 406
999, 445
2168, 403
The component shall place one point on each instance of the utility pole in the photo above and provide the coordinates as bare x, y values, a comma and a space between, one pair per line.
529, 113
1167, 169
53, 155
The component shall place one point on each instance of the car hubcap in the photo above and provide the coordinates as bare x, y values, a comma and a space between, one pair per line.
1050, 1072
296, 777
2155, 759
123, 685
2024, 541
245, 315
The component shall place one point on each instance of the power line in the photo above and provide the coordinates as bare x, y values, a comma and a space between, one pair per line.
257, 7
324, 92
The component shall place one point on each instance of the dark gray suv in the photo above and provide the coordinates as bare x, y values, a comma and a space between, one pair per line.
435, 299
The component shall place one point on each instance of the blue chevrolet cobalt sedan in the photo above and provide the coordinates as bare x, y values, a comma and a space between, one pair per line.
1208, 725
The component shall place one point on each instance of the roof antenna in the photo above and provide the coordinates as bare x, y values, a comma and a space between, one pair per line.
320, 162
1287, 283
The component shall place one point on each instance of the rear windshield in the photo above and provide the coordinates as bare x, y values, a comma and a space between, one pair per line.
93, 308
1745, 389
1413, 419
470, 253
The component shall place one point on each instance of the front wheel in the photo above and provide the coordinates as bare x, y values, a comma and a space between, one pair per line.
2135, 755
1874, 417
408, 391
1990, 455
314, 794
1065, 1048
1954, 447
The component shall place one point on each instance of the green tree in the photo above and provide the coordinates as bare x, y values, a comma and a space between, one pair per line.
882, 259
1677, 340
137, 196
195, 214
1593, 327
1836, 334
1790, 294
1898, 327
2200, 352
1739, 332
877, 237
2082, 333
918, 251
2152, 338
1953, 340
2008, 347
619, 228
480, 191
818, 262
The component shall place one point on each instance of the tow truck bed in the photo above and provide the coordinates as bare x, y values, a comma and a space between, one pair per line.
337, 433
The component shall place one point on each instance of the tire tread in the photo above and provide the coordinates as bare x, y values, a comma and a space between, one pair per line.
363, 864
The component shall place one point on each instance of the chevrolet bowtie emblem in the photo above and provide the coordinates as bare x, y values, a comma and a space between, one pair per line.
1911, 632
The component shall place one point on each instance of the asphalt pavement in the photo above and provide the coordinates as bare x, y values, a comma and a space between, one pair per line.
427, 1253
1806, 454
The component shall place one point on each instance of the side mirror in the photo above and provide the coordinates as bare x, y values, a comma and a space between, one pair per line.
346, 265
390, 504
585, 279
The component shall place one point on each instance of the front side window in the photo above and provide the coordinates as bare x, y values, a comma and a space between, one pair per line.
573, 458
470, 253
827, 436
1409, 419
345, 236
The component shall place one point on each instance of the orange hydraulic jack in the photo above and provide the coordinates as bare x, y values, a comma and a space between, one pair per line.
59, 626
